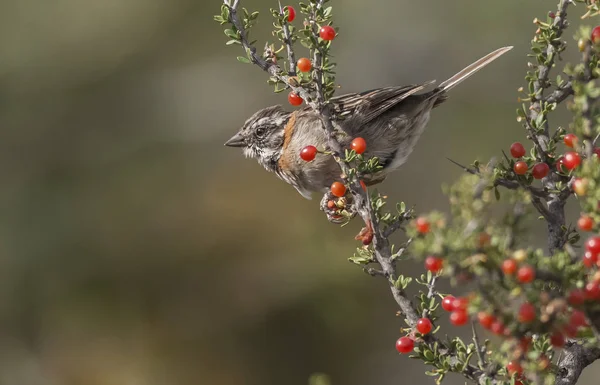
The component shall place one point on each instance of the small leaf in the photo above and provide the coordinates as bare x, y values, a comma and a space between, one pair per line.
242, 59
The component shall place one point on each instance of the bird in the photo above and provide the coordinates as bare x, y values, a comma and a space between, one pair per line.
390, 120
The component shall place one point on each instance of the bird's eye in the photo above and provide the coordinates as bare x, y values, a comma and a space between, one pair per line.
260, 131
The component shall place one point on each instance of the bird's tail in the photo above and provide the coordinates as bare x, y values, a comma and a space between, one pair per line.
471, 69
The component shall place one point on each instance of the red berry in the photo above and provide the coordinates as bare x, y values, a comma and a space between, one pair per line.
576, 297
327, 32
596, 35
585, 223
592, 291
517, 150
485, 319
557, 339
359, 145
331, 205
338, 189
497, 327
308, 153
424, 325
294, 99
578, 318
291, 13
570, 140
509, 266
434, 264
526, 274
590, 259
597, 152
460, 303
448, 303
527, 313
593, 244
304, 64
540, 170
572, 160
551, 15
514, 367
459, 317
520, 168
405, 345
422, 225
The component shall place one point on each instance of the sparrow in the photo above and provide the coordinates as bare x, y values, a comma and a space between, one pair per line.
389, 119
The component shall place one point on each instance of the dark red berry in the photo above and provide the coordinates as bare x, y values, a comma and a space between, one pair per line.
596, 35
497, 327
570, 140
520, 168
434, 264
291, 13
327, 32
527, 313
460, 303
304, 64
509, 266
592, 291
485, 319
308, 153
448, 303
422, 225
593, 244
585, 223
590, 259
405, 345
424, 326
338, 189
514, 367
459, 317
294, 99
359, 145
517, 150
526, 274
540, 170
572, 160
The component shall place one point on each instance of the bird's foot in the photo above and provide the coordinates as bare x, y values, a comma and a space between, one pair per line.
338, 210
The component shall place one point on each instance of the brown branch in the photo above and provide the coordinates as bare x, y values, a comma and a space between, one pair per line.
575, 358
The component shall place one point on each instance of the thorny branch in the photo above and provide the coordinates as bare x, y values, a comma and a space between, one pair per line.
362, 204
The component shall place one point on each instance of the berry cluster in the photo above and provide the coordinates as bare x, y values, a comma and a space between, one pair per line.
326, 33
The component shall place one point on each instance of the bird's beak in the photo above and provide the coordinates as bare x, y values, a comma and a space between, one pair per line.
236, 141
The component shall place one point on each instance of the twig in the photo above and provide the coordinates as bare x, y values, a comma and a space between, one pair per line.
480, 360
288, 44
267, 66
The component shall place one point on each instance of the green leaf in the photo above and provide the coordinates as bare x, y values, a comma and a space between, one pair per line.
242, 59
231, 34
230, 42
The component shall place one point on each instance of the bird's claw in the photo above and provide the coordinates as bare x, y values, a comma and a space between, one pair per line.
338, 210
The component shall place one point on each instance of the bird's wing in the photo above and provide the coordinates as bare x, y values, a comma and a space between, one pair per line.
370, 104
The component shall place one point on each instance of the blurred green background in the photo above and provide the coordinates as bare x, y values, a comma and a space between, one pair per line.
136, 249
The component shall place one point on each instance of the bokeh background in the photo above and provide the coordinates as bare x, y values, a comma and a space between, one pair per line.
136, 249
